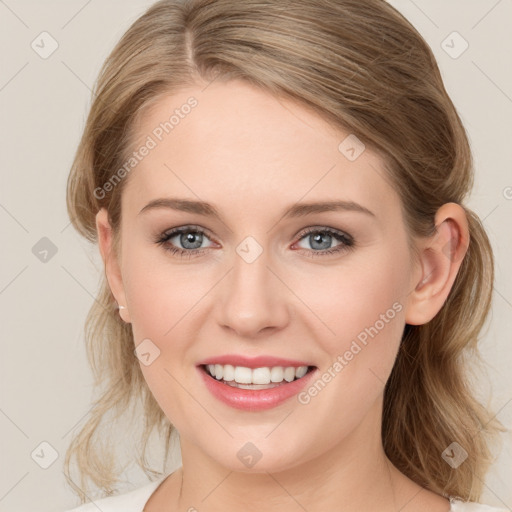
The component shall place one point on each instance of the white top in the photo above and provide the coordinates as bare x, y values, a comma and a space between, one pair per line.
134, 501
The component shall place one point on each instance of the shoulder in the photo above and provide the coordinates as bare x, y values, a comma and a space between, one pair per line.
132, 501
467, 506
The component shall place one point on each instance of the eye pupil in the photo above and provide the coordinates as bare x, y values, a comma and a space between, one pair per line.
318, 239
191, 240
190, 237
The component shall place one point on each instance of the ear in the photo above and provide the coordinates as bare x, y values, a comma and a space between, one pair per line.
440, 258
111, 263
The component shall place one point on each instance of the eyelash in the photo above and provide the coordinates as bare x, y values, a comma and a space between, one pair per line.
347, 244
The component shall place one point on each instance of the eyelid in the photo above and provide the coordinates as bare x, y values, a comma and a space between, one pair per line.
172, 232
301, 234
326, 229
346, 240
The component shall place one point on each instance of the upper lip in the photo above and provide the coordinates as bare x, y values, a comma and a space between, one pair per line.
253, 362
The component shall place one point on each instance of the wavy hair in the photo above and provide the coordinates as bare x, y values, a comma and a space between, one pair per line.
364, 68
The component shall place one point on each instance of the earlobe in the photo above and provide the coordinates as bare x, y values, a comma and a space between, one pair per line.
111, 263
440, 259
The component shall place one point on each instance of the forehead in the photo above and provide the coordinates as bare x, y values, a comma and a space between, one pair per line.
235, 145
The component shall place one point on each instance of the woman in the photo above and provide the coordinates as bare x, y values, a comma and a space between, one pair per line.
292, 281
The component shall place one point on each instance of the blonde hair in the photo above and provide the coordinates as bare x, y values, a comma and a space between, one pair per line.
363, 67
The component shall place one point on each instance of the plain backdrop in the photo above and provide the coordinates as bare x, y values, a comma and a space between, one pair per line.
45, 381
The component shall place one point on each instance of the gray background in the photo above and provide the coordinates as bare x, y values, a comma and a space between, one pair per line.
45, 382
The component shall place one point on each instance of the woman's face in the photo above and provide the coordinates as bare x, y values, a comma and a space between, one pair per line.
255, 282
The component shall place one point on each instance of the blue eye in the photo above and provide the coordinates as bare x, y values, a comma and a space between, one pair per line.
191, 239
322, 237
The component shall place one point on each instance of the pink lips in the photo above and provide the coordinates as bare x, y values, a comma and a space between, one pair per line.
254, 399
253, 362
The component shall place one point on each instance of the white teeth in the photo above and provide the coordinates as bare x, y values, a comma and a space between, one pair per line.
261, 376
301, 371
243, 375
276, 374
289, 373
229, 373
264, 375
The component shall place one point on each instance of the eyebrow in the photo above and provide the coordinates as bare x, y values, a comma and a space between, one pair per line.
295, 210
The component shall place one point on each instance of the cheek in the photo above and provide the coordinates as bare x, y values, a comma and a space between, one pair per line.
161, 299
364, 311
152, 299
165, 299
156, 290
362, 300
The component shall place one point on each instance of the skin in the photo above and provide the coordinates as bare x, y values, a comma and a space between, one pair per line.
324, 455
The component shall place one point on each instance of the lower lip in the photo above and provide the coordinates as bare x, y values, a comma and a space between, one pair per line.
254, 399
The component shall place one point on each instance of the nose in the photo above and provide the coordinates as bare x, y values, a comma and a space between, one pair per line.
254, 299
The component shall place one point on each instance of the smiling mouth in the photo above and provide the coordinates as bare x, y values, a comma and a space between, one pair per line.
299, 374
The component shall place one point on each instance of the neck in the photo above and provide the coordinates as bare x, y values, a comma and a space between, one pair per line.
353, 475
